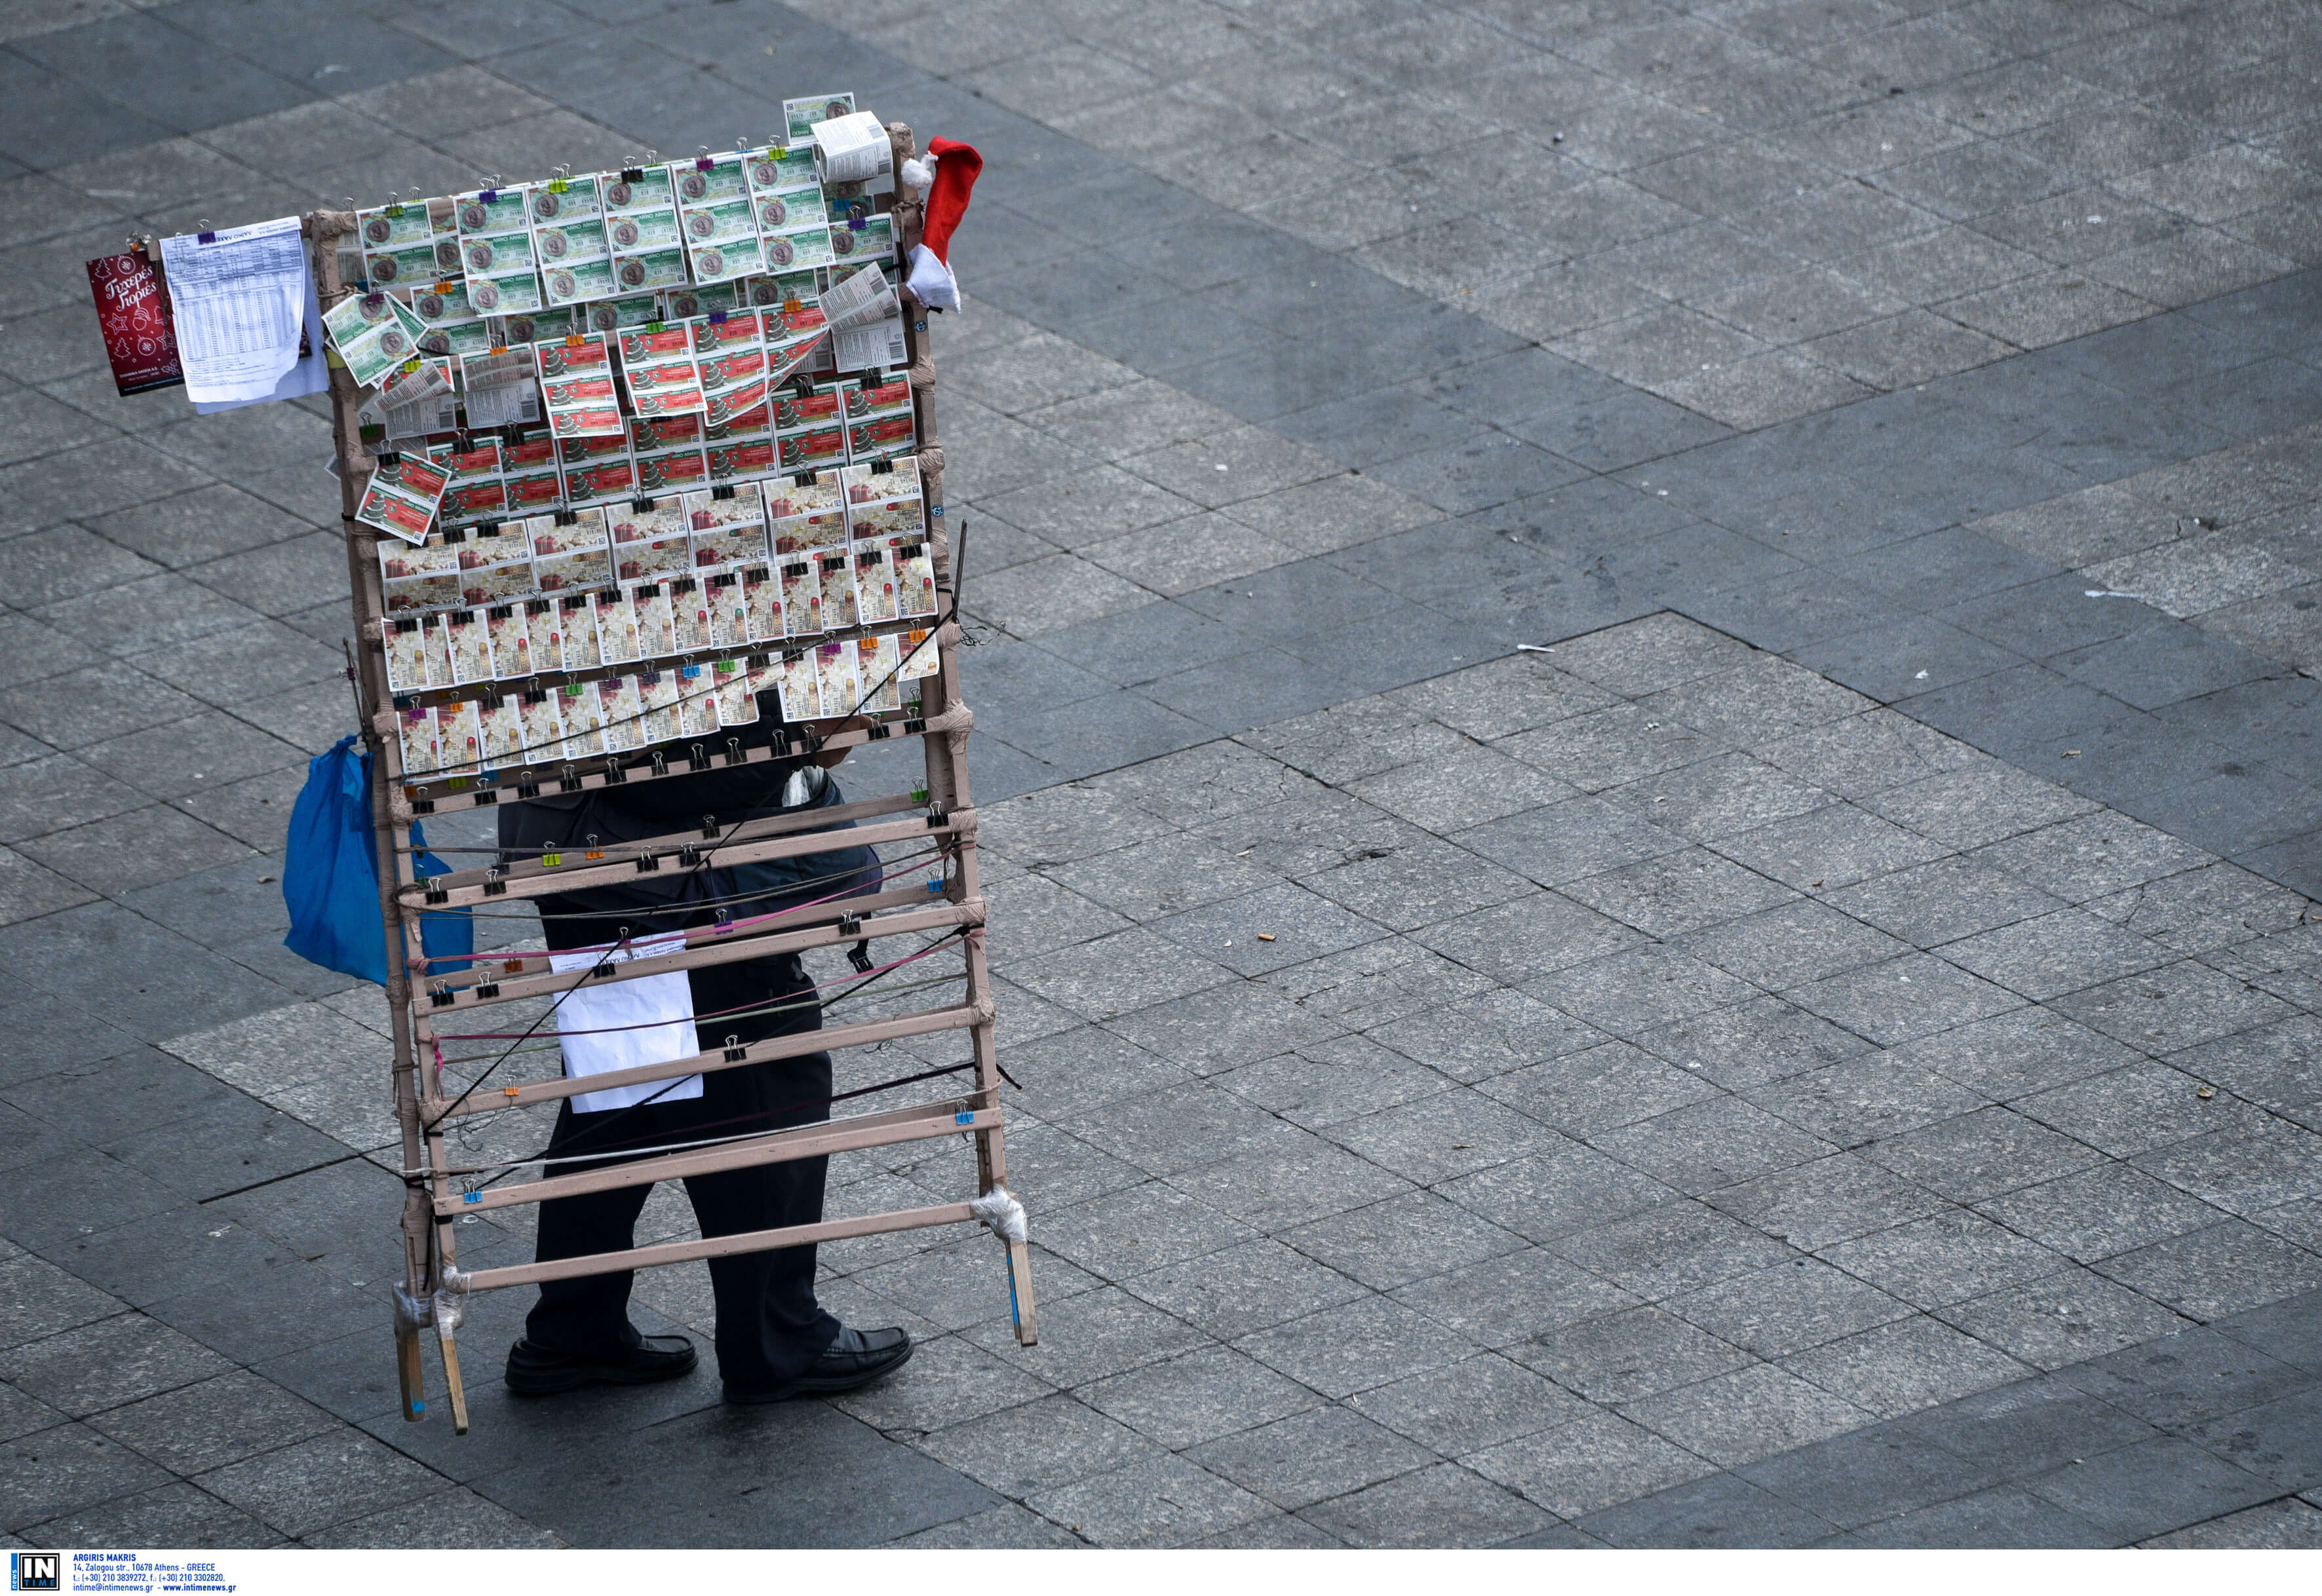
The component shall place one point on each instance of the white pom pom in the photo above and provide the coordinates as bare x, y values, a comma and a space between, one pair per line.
999, 1209
920, 172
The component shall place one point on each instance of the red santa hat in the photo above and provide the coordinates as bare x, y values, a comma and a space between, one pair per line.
947, 172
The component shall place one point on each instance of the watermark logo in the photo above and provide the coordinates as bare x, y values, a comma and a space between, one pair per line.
36, 1571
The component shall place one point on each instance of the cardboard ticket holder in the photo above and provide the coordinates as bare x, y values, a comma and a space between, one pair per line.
423, 1000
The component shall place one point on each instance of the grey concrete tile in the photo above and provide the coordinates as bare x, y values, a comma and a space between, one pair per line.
1753, 1044
2130, 1111
1752, 1413
1373, 1343
1828, 849
1980, 1155
1040, 1445
1187, 1401
110, 1362
1676, 894
2270, 1526
1403, 1239
313, 1483
1586, 1093
2063, 1318
1091, 1335
1610, 747
1946, 1257
1722, 1510
1419, 885
1515, 940
1506, 1300
1675, 1248
1183, 1126
1626, 1357
1223, 1026
1118, 974
1908, 997
1252, 1287
1488, 1034
1268, 930
201, 1426
1792, 945
2244, 1172
1160, 1500
2151, 1488
1310, 1456
1443, 1136
1910, 1363
2178, 1006
53, 1472
2096, 1213
1442, 1506
1333, 1081
1634, 992
2004, 1516
1707, 1145
1291, 1183
1788, 1308
1376, 983
1578, 1468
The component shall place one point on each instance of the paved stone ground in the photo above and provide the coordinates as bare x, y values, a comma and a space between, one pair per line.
1734, 1078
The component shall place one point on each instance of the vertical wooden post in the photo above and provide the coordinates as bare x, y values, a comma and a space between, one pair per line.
390, 836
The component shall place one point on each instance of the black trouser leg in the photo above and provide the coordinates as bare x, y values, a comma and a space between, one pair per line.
576, 1318
770, 1328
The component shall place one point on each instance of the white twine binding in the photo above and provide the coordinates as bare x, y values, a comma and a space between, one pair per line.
999, 1209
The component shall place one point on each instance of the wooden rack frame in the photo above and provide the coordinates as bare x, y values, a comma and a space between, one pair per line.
942, 811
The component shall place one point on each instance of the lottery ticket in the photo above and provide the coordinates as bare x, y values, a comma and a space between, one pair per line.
669, 455
852, 148
496, 254
657, 362
800, 249
655, 617
784, 166
494, 562
805, 516
641, 230
801, 598
567, 234
815, 448
834, 674
857, 297
459, 739
730, 610
546, 643
471, 659
622, 714
617, 643
883, 506
837, 573
500, 732
581, 708
874, 344
788, 206
799, 116
537, 326
738, 705
657, 691
511, 642
597, 469
921, 657
915, 581
502, 388
612, 315
874, 585
373, 332
398, 245
726, 525
449, 320
745, 459
420, 576
402, 494
689, 601
696, 701
542, 729
877, 661
416, 733
800, 686
650, 539
576, 386
881, 438
576, 631
862, 238
405, 639
702, 299
761, 603
717, 218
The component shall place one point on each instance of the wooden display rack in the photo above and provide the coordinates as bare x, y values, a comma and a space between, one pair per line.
942, 812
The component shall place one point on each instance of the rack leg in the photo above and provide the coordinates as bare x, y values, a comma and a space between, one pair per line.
411, 1372
451, 1376
1019, 1294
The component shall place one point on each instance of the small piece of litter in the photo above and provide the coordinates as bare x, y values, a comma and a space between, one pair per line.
264, 881
1814, 883
2108, 593
1534, 648
1266, 936
1243, 854
1222, 467
1922, 676
2071, 753
2206, 1093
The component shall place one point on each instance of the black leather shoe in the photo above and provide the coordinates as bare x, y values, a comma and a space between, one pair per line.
856, 1358
534, 1372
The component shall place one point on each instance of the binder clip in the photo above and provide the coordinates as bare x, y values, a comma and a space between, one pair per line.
570, 781
734, 755
648, 863
660, 763
493, 885
614, 774
859, 955
735, 1051
697, 758
710, 822
688, 857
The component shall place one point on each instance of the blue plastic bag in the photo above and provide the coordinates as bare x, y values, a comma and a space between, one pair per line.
330, 875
